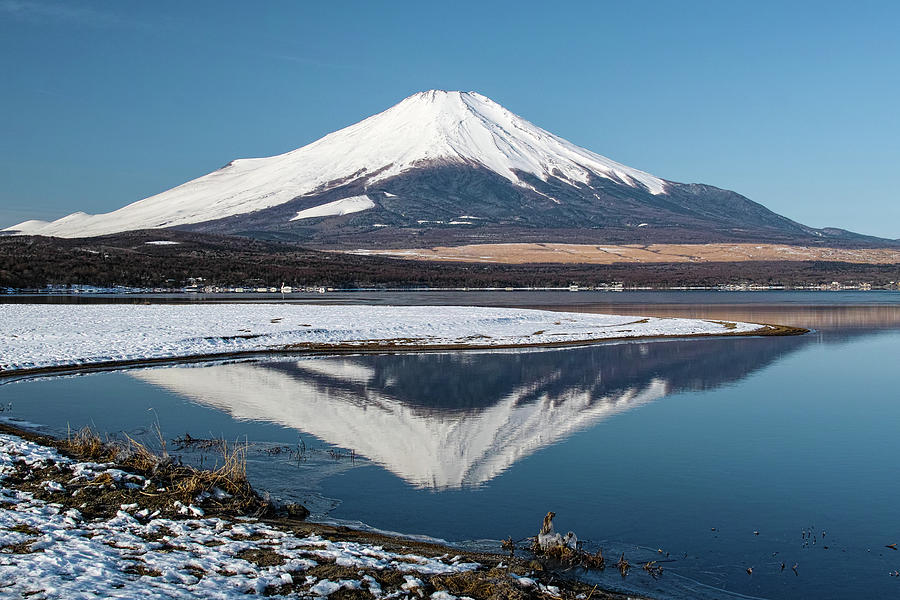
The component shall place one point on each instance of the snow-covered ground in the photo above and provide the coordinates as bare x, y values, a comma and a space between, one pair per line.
48, 336
48, 551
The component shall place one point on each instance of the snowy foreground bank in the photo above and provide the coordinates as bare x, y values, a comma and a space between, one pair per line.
35, 336
52, 546
51, 552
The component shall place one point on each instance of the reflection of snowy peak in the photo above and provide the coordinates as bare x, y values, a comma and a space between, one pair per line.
451, 419
438, 449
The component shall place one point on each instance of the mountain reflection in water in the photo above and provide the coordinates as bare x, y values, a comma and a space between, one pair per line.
452, 420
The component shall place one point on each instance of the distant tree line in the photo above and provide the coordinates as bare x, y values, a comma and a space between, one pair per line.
128, 260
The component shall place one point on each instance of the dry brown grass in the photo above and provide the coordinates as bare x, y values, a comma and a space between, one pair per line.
186, 482
623, 565
492, 584
229, 472
229, 476
606, 254
87, 444
140, 457
262, 556
174, 481
654, 568
561, 554
565, 556
509, 546
594, 561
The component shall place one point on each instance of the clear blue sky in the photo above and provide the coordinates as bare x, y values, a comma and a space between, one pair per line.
796, 107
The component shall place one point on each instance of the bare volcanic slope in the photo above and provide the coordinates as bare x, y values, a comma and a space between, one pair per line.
446, 168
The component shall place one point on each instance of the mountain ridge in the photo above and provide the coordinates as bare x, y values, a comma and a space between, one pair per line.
455, 167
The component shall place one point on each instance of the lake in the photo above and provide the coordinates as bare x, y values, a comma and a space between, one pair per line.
714, 455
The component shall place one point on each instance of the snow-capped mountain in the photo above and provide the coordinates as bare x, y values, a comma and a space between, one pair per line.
455, 165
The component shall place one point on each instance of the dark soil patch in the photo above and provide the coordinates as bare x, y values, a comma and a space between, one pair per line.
195, 571
262, 556
141, 570
19, 548
25, 528
336, 572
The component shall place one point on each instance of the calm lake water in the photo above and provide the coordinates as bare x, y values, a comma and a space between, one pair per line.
689, 447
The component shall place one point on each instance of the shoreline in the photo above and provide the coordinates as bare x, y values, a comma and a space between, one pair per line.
371, 347
411, 566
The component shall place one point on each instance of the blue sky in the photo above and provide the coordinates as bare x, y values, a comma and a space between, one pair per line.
795, 106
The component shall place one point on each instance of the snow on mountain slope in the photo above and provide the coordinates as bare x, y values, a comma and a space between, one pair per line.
338, 207
434, 127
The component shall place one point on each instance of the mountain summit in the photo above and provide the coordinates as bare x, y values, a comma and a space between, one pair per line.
441, 167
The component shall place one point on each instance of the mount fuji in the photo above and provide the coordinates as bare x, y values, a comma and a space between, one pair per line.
443, 167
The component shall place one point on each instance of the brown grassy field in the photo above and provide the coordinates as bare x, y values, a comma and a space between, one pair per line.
639, 253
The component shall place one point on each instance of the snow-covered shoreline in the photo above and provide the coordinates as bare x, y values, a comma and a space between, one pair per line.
47, 336
50, 550
60, 539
